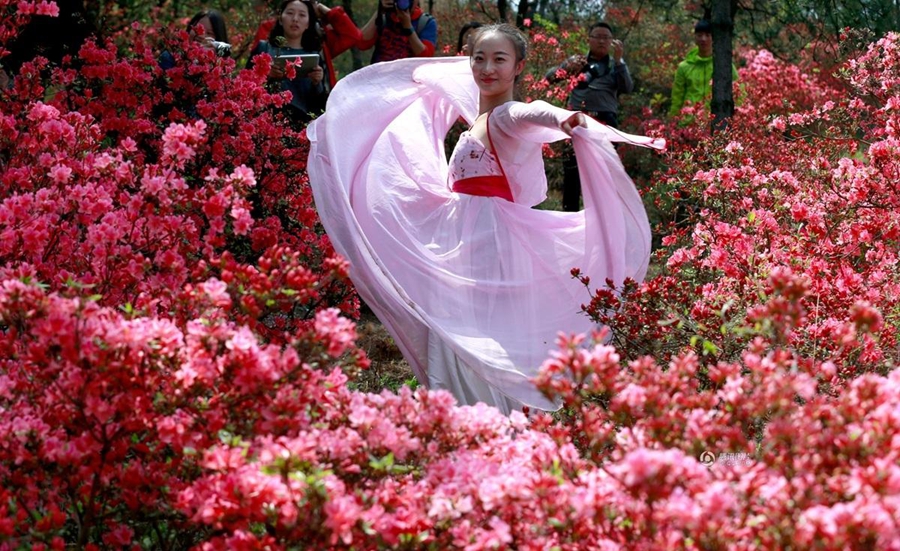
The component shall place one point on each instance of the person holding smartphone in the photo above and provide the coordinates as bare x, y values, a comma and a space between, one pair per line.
295, 34
399, 29
339, 33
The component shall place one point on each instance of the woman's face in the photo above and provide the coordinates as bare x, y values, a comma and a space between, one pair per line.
295, 19
494, 64
467, 41
208, 33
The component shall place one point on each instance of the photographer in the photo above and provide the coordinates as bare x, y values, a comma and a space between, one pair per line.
602, 76
399, 29
214, 36
207, 28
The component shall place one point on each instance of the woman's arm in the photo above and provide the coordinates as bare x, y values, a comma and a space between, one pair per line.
343, 33
422, 45
537, 121
369, 31
540, 122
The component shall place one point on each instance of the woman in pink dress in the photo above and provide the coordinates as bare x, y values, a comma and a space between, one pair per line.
471, 281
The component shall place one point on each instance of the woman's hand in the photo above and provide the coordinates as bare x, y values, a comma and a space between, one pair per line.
576, 120
276, 72
205, 41
317, 75
404, 17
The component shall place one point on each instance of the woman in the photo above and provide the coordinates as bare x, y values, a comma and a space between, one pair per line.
213, 24
465, 37
295, 32
338, 31
207, 27
472, 283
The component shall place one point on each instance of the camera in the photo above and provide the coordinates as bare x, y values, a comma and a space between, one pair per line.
595, 70
403, 4
222, 49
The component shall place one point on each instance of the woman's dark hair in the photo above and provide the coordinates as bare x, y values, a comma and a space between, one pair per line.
514, 35
216, 20
311, 41
462, 33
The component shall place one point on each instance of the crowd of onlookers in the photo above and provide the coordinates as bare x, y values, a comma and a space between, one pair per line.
308, 35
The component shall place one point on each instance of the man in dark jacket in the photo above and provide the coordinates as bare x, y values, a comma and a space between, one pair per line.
603, 75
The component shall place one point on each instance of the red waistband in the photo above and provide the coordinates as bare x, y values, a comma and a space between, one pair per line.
484, 186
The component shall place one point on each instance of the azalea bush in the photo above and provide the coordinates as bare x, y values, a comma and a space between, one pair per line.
163, 437
755, 453
107, 417
177, 342
150, 215
135, 182
779, 192
777, 297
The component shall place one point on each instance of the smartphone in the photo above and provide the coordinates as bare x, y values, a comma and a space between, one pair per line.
308, 62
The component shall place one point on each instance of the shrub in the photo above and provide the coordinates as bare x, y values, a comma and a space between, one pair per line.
174, 362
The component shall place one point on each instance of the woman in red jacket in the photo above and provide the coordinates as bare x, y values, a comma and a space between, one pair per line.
339, 34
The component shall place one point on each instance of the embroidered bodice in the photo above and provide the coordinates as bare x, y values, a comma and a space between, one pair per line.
471, 159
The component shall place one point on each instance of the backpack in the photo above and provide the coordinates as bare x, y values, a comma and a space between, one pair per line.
423, 22
420, 26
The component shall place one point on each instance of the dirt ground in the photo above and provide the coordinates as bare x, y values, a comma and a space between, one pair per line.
388, 368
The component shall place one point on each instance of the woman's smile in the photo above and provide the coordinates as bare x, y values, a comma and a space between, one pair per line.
494, 65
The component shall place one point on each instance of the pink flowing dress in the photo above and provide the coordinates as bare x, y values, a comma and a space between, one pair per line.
473, 288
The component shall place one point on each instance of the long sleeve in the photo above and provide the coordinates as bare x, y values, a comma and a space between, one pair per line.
536, 122
343, 34
624, 83
553, 75
517, 132
678, 89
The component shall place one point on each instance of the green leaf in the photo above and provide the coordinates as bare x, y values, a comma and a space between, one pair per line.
709, 348
383, 464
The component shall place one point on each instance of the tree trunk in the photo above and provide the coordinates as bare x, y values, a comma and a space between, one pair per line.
722, 105
355, 54
522, 14
501, 9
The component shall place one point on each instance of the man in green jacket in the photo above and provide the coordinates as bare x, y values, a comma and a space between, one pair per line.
693, 79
